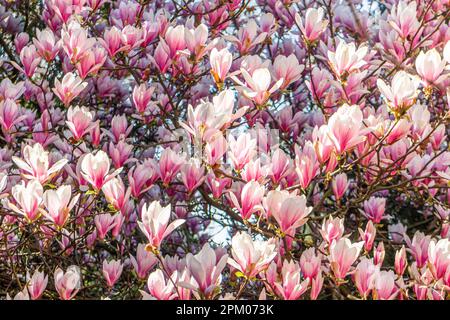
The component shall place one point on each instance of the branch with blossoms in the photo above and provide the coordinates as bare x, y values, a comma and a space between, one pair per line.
236, 149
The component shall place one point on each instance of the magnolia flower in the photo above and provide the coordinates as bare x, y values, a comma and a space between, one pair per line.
257, 85
192, 174
95, 169
58, 204
36, 284
439, 257
115, 193
155, 224
340, 185
10, 114
418, 246
67, 283
251, 257
30, 60
242, 149
46, 44
374, 209
364, 276
292, 214
143, 262
310, 263
332, 229
251, 197
104, 223
79, 121
28, 198
430, 65
314, 24
112, 271
403, 18
291, 287
347, 58
21, 295
400, 262
384, 285
206, 268
142, 97
220, 64
36, 163
402, 92
159, 288
208, 118
343, 253
288, 69
345, 128
70, 87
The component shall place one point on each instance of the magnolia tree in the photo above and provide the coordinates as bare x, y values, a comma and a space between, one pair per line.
224, 149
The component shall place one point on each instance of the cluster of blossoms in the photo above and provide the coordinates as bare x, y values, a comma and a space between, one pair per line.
224, 149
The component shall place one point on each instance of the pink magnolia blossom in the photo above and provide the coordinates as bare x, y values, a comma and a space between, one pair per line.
403, 18
364, 277
95, 169
142, 96
28, 198
340, 185
378, 254
104, 223
368, 235
36, 163
247, 37
169, 165
384, 285
36, 284
112, 41
116, 193
69, 88
67, 283
9, 114
292, 214
159, 287
250, 257
347, 58
332, 229
310, 263
46, 44
430, 65
400, 263
242, 150
288, 69
143, 262
112, 271
374, 209
58, 204
91, 62
79, 121
155, 224
75, 41
439, 257
206, 268
291, 287
257, 86
343, 253
344, 128
30, 60
402, 92
220, 61
250, 199
192, 175
313, 25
